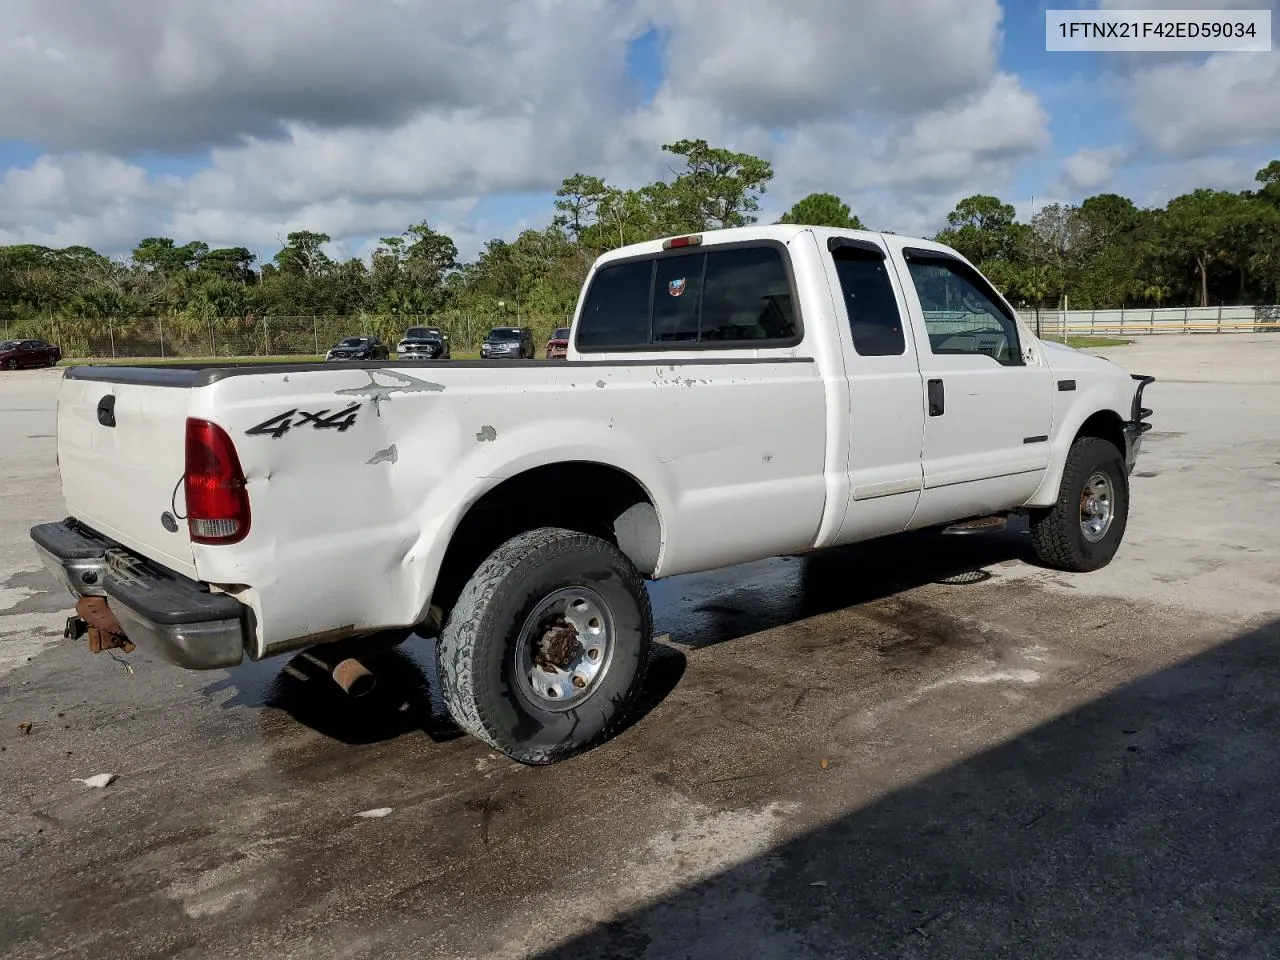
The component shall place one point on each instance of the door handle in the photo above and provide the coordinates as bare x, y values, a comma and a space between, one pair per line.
107, 410
936, 402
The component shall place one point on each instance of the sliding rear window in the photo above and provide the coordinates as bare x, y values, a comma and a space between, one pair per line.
730, 296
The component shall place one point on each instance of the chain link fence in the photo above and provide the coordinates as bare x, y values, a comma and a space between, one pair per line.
183, 336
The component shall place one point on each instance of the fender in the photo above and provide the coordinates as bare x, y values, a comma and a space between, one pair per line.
1095, 399
516, 450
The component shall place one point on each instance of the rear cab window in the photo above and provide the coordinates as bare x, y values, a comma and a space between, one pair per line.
875, 321
728, 296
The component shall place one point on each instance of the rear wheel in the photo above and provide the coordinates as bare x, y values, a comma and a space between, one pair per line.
1083, 530
545, 650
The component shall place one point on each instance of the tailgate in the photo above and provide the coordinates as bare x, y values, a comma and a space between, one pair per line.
121, 454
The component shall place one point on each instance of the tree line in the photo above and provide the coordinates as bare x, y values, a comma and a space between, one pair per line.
1201, 248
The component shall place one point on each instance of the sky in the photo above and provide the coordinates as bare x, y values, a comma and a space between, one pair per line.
239, 121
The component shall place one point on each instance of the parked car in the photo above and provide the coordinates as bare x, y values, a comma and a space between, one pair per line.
558, 345
358, 348
508, 343
28, 353
732, 396
423, 343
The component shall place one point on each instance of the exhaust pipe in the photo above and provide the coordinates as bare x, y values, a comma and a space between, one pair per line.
354, 677
351, 675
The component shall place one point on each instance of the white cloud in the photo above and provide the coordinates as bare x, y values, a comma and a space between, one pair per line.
1228, 100
1088, 169
906, 176
899, 108
773, 63
184, 74
358, 119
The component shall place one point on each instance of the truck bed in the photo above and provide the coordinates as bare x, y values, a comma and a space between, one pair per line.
359, 473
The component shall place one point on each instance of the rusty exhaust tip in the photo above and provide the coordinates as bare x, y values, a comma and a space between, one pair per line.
354, 677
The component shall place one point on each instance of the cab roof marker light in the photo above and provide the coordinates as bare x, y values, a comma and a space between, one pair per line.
693, 240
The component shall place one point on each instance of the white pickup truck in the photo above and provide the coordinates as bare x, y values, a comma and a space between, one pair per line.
729, 396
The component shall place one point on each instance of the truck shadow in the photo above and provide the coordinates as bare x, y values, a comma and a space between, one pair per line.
405, 700
1144, 823
700, 610
691, 612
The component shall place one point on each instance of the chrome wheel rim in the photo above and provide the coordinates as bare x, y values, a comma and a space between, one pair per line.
564, 648
1097, 506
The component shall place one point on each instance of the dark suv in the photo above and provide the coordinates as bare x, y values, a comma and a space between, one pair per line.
423, 343
508, 343
358, 348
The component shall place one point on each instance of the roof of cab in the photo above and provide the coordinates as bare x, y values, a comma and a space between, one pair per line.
784, 232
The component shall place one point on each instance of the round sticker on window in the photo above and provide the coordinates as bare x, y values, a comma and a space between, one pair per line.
676, 287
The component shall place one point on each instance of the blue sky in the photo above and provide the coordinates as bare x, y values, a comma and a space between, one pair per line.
168, 117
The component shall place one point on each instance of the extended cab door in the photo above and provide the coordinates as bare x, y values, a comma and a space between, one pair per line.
988, 399
886, 406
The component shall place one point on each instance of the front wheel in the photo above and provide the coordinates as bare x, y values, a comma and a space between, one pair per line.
545, 651
1083, 530
11, 364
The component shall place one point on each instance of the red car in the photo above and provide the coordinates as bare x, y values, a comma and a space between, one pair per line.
558, 345
28, 353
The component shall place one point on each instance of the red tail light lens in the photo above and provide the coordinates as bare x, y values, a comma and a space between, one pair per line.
217, 495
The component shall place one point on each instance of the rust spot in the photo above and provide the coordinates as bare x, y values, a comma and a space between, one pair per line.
486, 433
558, 646
104, 631
600, 384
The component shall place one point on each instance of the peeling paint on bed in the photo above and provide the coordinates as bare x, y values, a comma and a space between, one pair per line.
378, 392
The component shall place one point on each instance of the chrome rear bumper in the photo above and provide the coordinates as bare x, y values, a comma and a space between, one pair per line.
178, 619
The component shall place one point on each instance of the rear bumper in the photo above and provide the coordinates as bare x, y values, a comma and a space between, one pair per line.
177, 619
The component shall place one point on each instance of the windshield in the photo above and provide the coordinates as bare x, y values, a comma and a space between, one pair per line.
8, 344
504, 333
422, 333
561, 333
354, 342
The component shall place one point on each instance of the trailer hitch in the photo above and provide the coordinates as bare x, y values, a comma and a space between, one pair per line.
95, 619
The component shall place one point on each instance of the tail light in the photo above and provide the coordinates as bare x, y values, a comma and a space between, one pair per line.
217, 495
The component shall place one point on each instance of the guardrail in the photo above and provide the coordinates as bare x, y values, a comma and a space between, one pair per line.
1223, 319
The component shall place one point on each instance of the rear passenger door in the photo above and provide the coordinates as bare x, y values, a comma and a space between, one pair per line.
886, 402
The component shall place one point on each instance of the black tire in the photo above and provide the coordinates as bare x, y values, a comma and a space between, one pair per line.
11, 364
477, 650
1058, 533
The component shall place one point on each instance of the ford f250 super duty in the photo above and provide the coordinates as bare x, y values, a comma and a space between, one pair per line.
729, 396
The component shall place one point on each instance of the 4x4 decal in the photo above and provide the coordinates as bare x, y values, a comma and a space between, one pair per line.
282, 423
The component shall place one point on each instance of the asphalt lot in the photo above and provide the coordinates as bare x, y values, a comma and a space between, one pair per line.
922, 747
